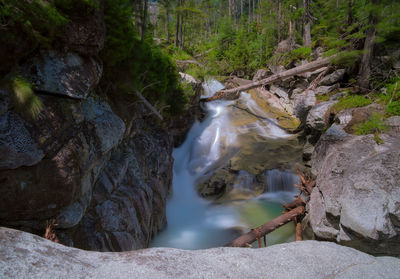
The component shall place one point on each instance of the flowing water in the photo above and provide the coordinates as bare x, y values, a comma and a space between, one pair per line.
227, 133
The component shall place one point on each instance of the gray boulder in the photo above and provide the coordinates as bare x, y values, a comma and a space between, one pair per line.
317, 118
356, 201
60, 73
279, 92
323, 90
335, 77
25, 255
393, 122
303, 102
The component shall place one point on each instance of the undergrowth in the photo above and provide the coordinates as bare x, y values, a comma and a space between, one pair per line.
352, 101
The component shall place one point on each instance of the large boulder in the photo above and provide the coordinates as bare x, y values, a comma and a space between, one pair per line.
63, 73
356, 201
318, 118
23, 255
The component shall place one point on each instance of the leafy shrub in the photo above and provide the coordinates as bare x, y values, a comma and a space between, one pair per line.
393, 108
37, 20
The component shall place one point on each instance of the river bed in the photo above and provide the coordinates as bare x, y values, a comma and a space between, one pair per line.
254, 148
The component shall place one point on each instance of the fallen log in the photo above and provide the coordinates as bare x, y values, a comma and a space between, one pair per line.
299, 235
224, 93
248, 238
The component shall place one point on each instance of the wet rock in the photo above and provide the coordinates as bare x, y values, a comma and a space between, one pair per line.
356, 204
60, 73
27, 256
335, 77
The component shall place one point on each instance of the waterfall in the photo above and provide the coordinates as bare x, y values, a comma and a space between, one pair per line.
193, 222
278, 180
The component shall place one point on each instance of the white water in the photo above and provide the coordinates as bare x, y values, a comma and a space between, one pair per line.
195, 223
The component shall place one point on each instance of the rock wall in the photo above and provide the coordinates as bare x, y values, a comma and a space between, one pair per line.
102, 171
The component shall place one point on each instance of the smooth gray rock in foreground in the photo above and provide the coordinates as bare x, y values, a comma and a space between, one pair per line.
23, 255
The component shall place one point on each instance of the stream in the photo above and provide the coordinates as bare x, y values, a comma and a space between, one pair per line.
255, 151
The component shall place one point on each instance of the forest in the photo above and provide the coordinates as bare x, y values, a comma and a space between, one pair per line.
138, 126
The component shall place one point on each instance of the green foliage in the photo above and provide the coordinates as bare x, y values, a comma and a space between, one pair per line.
374, 125
38, 20
347, 102
391, 97
132, 64
347, 58
25, 99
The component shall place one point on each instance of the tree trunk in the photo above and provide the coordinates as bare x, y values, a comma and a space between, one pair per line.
144, 18
254, 10
365, 66
350, 17
246, 239
278, 15
167, 22
241, 7
227, 93
177, 29
307, 24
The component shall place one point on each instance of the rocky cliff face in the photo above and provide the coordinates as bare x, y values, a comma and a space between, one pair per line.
101, 171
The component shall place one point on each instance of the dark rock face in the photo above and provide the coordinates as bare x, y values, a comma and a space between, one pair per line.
356, 201
63, 73
78, 150
180, 125
85, 33
102, 171
129, 198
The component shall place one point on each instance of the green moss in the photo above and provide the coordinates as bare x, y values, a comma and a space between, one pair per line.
393, 108
375, 124
24, 98
350, 102
132, 64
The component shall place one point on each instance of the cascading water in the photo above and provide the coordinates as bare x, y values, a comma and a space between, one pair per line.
195, 223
